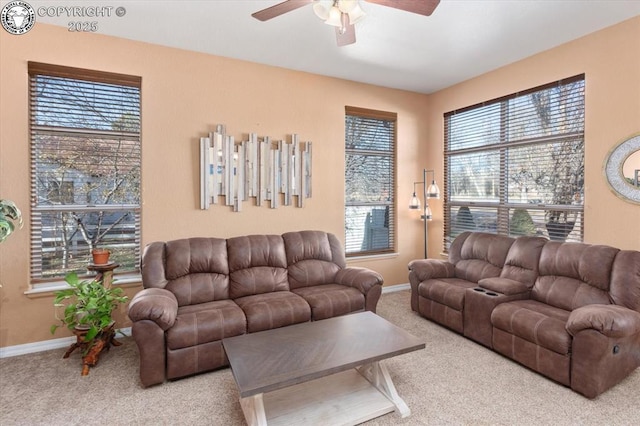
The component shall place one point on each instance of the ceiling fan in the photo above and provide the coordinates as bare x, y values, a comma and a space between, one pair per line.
343, 14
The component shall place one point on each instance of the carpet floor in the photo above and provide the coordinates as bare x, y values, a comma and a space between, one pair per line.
453, 381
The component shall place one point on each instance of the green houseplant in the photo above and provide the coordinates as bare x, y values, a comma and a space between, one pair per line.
87, 306
10, 215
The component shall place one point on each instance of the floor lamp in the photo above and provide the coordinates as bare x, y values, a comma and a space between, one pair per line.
430, 191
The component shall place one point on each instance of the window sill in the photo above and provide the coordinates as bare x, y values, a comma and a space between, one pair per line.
48, 289
372, 257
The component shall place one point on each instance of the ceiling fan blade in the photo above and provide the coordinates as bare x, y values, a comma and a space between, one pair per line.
421, 7
348, 37
279, 9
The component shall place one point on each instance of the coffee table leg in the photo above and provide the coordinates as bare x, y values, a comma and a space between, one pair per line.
379, 377
253, 409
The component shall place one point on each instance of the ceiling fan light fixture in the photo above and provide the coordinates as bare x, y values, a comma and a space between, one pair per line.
347, 6
335, 17
321, 8
356, 14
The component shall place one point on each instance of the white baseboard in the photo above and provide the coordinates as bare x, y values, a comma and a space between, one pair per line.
29, 348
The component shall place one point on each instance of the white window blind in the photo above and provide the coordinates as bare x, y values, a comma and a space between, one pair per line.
370, 146
85, 169
515, 165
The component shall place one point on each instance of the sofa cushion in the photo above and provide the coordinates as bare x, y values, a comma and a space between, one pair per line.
625, 279
196, 270
535, 322
446, 291
273, 310
574, 275
523, 259
257, 264
330, 300
481, 255
204, 323
313, 257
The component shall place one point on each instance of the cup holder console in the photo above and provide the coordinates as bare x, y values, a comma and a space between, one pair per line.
482, 290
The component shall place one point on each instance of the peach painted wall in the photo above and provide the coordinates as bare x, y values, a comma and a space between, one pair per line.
184, 95
610, 60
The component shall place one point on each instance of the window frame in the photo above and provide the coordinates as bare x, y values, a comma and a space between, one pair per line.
72, 135
504, 206
390, 205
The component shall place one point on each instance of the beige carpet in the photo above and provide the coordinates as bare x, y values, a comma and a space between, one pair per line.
454, 381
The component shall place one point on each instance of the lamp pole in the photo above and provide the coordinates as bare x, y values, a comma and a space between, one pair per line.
426, 206
431, 191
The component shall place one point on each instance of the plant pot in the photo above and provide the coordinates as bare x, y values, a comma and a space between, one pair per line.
558, 231
100, 256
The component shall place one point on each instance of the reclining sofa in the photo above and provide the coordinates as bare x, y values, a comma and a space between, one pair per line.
198, 291
569, 311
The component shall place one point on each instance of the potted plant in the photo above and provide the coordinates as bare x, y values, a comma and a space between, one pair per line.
10, 215
87, 307
558, 225
100, 256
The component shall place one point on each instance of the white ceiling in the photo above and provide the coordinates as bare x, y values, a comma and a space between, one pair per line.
462, 39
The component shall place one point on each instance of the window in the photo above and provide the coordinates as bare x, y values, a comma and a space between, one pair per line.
370, 144
515, 165
85, 169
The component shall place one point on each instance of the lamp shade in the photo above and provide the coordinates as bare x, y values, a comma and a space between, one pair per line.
321, 8
356, 14
414, 203
335, 17
433, 191
428, 214
347, 6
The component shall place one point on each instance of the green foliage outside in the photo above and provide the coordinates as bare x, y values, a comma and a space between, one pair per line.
521, 223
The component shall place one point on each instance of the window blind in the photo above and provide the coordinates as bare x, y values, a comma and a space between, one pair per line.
85, 169
515, 165
370, 145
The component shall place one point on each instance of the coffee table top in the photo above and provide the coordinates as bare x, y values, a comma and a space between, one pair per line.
274, 359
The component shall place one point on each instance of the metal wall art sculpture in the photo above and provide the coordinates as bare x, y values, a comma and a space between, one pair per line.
272, 172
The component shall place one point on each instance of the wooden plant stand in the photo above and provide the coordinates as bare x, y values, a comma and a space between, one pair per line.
91, 350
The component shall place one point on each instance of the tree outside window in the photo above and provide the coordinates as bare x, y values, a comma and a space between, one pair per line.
515, 166
370, 139
85, 128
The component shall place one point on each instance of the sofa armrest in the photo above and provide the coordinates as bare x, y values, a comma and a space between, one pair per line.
423, 269
361, 278
154, 304
505, 286
610, 320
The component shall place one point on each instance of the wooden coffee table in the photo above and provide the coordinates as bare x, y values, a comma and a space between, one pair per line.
321, 372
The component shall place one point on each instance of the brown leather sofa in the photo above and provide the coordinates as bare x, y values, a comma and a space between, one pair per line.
569, 311
198, 291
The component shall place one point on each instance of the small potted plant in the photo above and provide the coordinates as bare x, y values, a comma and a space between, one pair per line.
100, 256
87, 307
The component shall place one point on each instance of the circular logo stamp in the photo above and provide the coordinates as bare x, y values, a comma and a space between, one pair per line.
17, 17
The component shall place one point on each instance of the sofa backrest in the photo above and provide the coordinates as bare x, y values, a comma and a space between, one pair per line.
572, 275
194, 269
313, 257
257, 264
625, 279
479, 255
523, 259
